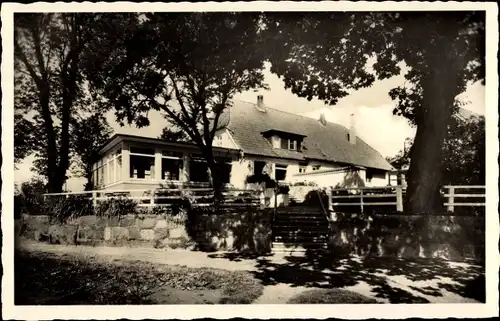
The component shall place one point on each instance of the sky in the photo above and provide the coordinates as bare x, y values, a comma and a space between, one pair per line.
372, 108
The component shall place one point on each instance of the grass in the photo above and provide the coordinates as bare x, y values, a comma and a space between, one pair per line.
330, 296
48, 279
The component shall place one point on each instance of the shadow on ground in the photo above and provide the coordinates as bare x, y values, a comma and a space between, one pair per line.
320, 270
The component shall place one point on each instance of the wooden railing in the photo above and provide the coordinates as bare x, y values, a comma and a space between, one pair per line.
452, 196
361, 197
169, 196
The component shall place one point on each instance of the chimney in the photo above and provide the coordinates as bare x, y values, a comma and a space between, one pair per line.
260, 104
322, 119
352, 131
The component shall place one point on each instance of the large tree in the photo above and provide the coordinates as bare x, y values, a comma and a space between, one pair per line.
188, 66
49, 50
326, 55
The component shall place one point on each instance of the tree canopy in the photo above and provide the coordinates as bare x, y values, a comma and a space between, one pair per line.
89, 134
464, 161
188, 66
326, 55
50, 83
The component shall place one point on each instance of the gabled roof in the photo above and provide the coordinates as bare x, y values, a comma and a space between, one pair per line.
327, 142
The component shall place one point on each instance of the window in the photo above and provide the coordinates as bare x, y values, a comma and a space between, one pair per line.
226, 172
94, 177
280, 172
142, 163
302, 169
218, 140
284, 143
288, 143
198, 169
258, 167
119, 168
372, 173
170, 169
369, 175
171, 165
171, 154
142, 167
316, 167
143, 151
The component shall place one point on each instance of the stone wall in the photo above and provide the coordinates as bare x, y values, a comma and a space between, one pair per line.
245, 230
144, 229
447, 237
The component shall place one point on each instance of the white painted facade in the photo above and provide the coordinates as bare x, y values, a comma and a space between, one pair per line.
115, 169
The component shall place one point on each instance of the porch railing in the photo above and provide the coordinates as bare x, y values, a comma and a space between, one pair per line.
169, 196
370, 196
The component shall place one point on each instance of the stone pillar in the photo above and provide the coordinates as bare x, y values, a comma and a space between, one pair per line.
125, 162
157, 173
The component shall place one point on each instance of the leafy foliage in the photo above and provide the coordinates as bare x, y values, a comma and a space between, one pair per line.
188, 66
172, 134
50, 83
29, 198
65, 208
463, 152
89, 135
116, 207
326, 55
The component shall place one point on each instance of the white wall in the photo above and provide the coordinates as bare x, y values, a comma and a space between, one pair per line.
224, 139
323, 178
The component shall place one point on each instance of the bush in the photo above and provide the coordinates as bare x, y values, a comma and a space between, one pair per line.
29, 198
64, 208
331, 296
283, 189
116, 207
261, 178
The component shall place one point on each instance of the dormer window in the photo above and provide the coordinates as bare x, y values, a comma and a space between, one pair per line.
289, 143
284, 140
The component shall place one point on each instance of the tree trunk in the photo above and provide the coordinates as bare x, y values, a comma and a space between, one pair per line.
424, 175
214, 174
53, 184
88, 176
216, 181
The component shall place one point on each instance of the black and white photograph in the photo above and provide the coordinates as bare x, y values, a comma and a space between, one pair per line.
277, 154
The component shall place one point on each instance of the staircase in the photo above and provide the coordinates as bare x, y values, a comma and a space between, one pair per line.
296, 229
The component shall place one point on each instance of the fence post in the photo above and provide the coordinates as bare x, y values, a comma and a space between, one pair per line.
94, 199
451, 199
152, 199
399, 198
329, 191
361, 199
262, 198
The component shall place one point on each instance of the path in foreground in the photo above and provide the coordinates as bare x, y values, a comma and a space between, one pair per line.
386, 280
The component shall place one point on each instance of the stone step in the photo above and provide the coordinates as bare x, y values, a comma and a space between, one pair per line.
300, 218
301, 232
300, 239
287, 247
295, 216
301, 227
300, 223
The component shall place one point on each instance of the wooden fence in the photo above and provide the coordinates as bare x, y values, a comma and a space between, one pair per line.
197, 197
362, 196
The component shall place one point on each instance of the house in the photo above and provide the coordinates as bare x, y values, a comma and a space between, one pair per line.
251, 139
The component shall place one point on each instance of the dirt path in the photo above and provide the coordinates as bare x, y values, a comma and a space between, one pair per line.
278, 293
